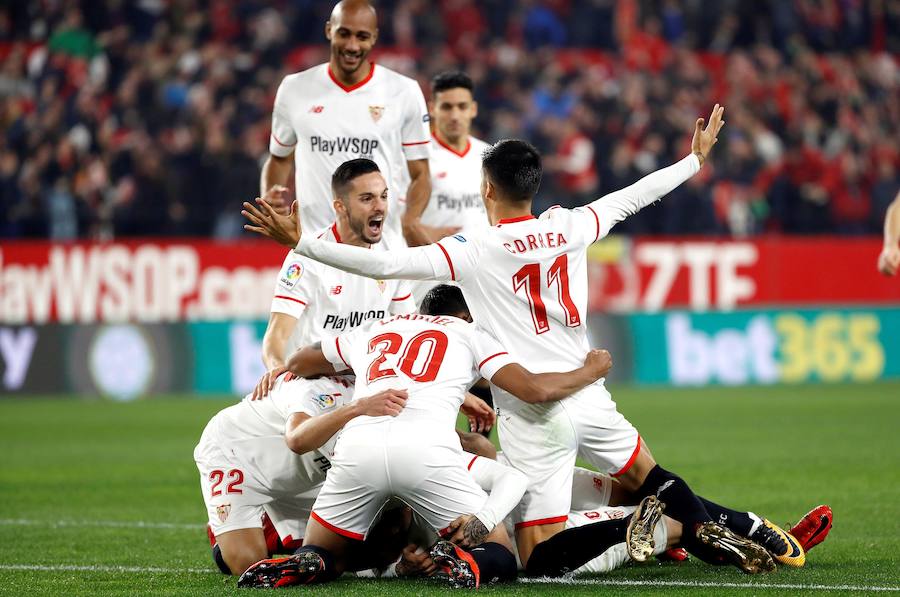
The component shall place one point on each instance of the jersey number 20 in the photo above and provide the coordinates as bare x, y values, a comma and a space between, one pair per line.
529, 279
413, 363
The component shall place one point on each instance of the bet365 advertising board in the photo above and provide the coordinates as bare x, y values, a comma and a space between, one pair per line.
140, 318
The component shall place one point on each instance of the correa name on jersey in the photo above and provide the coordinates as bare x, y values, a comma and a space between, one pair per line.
467, 201
354, 145
532, 242
352, 320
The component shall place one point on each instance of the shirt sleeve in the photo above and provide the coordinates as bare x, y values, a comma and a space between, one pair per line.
312, 400
461, 252
505, 485
403, 301
609, 210
490, 356
417, 263
415, 135
338, 351
283, 139
294, 287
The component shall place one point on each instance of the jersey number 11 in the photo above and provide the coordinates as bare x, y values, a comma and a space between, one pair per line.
529, 278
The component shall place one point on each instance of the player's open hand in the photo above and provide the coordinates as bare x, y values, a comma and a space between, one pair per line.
481, 416
599, 362
705, 138
387, 403
265, 220
266, 382
467, 531
889, 261
415, 561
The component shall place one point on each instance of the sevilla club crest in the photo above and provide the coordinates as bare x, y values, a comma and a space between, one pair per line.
381, 285
376, 112
223, 511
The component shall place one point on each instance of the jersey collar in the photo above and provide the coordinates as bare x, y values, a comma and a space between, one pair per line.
461, 154
514, 220
352, 87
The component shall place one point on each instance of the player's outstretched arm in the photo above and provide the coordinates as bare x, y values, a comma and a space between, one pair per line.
304, 433
889, 259
550, 387
618, 205
284, 228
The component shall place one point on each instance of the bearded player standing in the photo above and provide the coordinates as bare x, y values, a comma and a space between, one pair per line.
313, 301
344, 109
526, 282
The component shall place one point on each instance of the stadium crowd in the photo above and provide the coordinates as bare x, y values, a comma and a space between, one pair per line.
125, 119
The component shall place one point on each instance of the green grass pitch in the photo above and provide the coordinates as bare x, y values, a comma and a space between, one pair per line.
77, 479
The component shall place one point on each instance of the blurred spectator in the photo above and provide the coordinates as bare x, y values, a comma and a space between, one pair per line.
149, 118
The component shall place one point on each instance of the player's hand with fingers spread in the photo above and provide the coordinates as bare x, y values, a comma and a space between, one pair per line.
266, 382
415, 561
265, 220
598, 361
277, 197
705, 138
889, 261
385, 403
481, 416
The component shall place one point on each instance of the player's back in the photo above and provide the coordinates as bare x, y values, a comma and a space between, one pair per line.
435, 358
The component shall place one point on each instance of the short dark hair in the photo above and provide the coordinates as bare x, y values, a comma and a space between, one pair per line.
451, 79
514, 167
444, 299
348, 171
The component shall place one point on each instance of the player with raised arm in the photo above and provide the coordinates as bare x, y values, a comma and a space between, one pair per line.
889, 258
415, 456
525, 280
313, 301
344, 109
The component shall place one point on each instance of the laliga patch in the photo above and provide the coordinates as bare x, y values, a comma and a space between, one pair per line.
426, 118
291, 274
324, 401
223, 511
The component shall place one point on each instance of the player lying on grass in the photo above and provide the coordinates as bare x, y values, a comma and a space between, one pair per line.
525, 280
414, 456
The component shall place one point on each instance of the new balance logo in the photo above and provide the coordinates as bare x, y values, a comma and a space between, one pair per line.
336, 289
316, 109
664, 487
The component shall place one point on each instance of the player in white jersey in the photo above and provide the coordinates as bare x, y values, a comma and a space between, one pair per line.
344, 109
248, 469
416, 456
455, 202
526, 282
313, 301
456, 156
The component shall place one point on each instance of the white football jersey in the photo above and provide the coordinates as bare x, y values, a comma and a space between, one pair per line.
533, 295
456, 187
383, 118
254, 431
434, 358
328, 301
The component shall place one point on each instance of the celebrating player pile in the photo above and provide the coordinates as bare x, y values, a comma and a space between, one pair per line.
525, 280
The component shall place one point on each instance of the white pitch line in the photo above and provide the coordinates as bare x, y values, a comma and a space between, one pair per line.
704, 584
559, 581
131, 569
115, 524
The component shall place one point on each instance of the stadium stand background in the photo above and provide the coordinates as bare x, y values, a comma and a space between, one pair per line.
129, 119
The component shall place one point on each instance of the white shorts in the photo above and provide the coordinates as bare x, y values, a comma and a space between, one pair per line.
543, 442
236, 499
416, 463
617, 555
